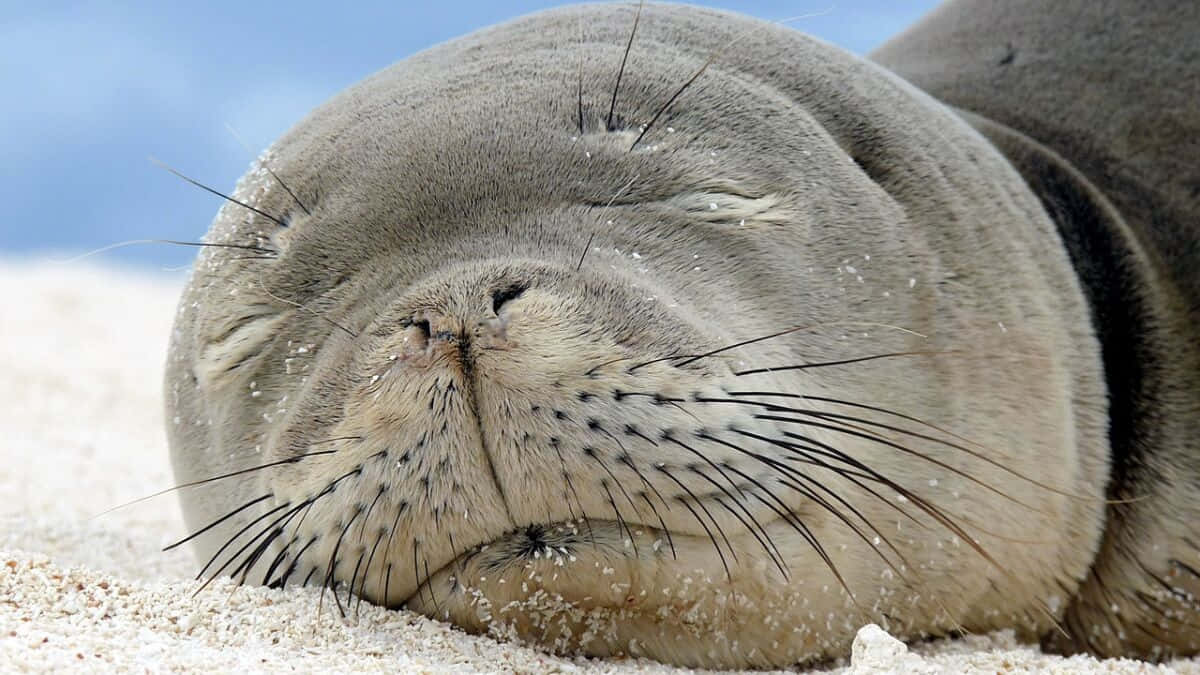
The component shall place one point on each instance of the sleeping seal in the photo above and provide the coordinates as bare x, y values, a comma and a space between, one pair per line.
665, 332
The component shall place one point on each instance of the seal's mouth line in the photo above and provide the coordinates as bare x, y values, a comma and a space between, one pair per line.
530, 550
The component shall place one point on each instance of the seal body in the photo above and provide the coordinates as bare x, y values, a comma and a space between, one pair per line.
711, 361
1104, 127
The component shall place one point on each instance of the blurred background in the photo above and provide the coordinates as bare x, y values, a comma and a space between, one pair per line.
93, 89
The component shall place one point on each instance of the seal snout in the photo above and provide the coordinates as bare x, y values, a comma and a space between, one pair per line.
453, 333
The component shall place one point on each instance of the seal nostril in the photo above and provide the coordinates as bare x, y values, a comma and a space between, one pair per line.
501, 296
423, 326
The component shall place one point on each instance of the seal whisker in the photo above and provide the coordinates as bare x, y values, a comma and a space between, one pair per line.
592, 371
416, 568
294, 565
367, 517
281, 527
921, 503
333, 561
910, 418
708, 62
579, 89
240, 472
591, 452
218, 521
332, 585
268, 253
608, 124
263, 287
764, 539
625, 459
848, 419
362, 589
306, 506
842, 362
671, 101
600, 216
670, 437
662, 524
806, 454
812, 540
255, 257
620, 520
809, 455
202, 186
787, 514
554, 443
691, 358
742, 504
454, 555
432, 593
278, 560
243, 569
401, 508
837, 513
867, 435
716, 546
387, 581
354, 577
276, 528
229, 542
662, 468
269, 170
826, 399
743, 343
864, 433
308, 577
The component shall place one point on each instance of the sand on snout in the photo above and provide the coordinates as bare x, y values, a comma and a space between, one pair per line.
82, 348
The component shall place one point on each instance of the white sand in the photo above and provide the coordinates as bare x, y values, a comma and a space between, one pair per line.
81, 353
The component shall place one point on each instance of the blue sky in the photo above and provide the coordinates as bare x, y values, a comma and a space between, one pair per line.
94, 89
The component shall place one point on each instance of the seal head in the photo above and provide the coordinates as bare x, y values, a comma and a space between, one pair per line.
712, 369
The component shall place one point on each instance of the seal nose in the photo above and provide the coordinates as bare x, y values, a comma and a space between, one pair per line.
503, 295
426, 329
429, 329
494, 329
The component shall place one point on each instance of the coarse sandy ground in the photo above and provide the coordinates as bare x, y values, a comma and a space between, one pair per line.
81, 354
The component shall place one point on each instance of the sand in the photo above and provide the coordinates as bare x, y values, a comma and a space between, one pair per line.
81, 354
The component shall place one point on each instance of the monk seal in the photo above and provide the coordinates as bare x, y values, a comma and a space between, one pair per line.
660, 331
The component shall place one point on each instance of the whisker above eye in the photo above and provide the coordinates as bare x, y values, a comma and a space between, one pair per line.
269, 170
612, 106
278, 221
267, 253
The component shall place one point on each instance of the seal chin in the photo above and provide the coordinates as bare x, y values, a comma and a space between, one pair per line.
603, 587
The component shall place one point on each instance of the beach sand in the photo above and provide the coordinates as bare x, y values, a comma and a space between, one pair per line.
81, 421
